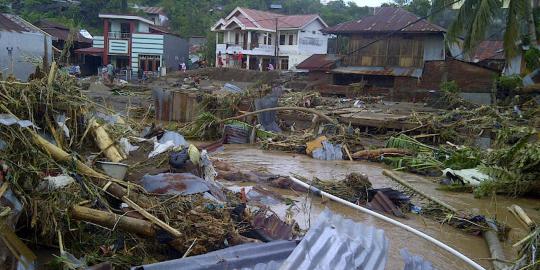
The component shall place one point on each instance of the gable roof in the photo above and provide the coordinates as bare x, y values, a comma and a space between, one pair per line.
256, 19
60, 32
387, 19
14, 23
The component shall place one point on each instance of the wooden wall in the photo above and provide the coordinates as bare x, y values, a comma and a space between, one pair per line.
396, 51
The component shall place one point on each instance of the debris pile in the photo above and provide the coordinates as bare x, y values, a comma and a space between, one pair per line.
52, 140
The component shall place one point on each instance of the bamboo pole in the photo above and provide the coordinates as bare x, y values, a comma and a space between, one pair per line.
376, 153
521, 216
320, 114
105, 143
174, 232
113, 221
108, 183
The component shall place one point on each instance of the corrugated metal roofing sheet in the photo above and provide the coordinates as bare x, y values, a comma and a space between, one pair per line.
339, 244
382, 71
488, 49
318, 62
14, 23
386, 19
264, 256
267, 19
153, 10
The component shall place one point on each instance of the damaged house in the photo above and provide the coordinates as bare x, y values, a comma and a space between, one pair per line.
396, 54
22, 46
253, 39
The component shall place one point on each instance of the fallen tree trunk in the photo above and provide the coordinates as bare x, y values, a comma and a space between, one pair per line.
377, 153
495, 247
113, 221
320, 114
106, 182
105, 143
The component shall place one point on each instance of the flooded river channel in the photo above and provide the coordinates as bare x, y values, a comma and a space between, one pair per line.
249, 157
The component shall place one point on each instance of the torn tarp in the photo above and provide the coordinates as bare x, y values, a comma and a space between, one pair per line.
174, 183
8, 120
268, 119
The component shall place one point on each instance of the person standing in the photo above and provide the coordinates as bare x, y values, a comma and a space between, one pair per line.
110, 72
219, 60
183, 65
240, 59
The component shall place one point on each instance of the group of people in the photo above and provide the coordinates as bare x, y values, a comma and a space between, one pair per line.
234, 60
237, 60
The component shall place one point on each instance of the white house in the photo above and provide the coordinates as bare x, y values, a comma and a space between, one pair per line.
247, 38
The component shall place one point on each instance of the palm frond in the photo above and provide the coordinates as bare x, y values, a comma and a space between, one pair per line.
484, 14
463, 19
514, 16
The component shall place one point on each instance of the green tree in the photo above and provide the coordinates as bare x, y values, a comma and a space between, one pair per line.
475, 16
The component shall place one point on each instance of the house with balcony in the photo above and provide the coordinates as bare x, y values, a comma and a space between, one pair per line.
261, 38
133, 43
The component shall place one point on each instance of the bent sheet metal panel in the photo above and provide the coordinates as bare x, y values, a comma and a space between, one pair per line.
338, 243
260, 256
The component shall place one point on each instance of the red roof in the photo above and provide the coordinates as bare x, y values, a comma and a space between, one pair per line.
267, 19
90, 51
251, 18
488, 49
318, 62
387, 19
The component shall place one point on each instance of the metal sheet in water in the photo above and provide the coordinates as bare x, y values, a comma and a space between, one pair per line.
255, 256
339, 244
174, 183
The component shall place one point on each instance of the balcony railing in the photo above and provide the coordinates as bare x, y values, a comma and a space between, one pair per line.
119, 35
246, 45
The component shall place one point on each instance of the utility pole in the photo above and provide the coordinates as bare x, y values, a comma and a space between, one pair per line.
276, 47
10, 53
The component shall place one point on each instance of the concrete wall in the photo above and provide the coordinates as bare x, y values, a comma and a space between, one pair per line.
25, 45
143, 27
176, 51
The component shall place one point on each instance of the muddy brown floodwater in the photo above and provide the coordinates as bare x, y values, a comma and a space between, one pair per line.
249, 157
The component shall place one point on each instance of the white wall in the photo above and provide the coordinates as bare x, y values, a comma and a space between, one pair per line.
311, 40
25, 45
115, 26
143, 27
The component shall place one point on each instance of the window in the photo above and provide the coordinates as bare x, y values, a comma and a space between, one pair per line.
291, 39
267, 39
284, 64
282, 39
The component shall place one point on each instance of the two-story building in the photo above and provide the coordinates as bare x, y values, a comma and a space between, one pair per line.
386, 49
132, 43
253, 39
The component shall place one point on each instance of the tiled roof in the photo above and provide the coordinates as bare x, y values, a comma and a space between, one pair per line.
251, 18
14, 23
267, 19
488, 49
387, 19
